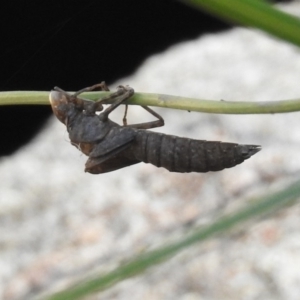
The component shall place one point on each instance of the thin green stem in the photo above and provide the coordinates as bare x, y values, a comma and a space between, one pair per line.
167, 101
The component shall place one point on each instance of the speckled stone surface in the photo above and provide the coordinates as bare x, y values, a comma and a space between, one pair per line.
58, 224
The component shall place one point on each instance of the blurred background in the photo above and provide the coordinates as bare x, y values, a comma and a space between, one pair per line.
74, 44
59, 224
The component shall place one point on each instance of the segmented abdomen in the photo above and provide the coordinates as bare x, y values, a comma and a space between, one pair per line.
178, 154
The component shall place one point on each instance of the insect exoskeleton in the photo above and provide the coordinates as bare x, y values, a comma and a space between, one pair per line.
111, 146
59, 103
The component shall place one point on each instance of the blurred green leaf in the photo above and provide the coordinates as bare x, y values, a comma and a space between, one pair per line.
254, 13
258, 208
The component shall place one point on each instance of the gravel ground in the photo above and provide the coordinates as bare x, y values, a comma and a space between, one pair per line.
58, 224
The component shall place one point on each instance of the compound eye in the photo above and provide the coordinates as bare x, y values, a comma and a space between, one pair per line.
59, 104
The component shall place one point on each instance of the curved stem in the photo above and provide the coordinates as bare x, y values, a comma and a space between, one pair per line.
166, 101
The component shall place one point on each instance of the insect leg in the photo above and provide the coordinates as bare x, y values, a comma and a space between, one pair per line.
91, 106
122, 94
147, 125
125, 115
102, 86
88, 105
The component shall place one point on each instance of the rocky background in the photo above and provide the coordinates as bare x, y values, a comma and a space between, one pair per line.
58, 224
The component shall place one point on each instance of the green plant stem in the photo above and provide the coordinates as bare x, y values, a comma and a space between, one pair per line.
167, 101
258, 208
254, 13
